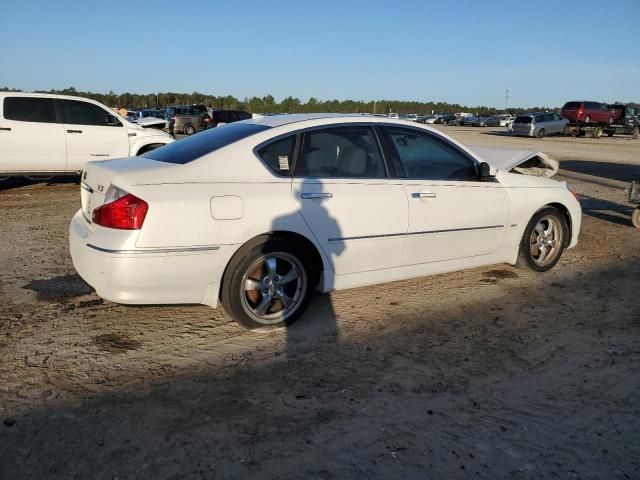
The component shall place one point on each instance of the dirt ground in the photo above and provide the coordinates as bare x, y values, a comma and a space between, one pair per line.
491, 373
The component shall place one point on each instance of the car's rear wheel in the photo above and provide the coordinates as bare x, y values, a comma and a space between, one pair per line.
189, 129
541, 133
543, 241
268, 284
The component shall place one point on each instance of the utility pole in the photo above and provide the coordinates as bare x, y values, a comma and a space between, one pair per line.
374, 107
506, 99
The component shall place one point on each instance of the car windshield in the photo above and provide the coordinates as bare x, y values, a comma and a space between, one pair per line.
190, 148
523, 120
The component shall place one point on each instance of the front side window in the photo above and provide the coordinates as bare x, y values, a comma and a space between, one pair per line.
340, 152
77, 112
279, 154
29, 109
426, 157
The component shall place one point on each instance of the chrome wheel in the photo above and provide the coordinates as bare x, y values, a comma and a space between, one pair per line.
273, 288
546, 240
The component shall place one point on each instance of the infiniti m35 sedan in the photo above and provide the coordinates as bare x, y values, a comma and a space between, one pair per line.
258, 214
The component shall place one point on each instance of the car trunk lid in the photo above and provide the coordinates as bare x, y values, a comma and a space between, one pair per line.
98, 176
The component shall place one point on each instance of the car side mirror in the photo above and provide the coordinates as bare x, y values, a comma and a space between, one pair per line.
485, 171
112, 121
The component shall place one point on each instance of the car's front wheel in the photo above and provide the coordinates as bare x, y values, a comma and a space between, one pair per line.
268, 284
543, 241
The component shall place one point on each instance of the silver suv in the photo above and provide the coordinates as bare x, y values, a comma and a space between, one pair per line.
538, 124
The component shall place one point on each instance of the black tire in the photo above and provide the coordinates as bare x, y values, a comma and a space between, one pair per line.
236, 300
597, 132
526, 255
189, 129
635, 217
587, 119
609, 134
541, 133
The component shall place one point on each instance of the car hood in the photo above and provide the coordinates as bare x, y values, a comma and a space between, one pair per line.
526, 162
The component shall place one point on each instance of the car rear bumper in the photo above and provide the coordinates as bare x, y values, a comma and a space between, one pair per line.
148, 276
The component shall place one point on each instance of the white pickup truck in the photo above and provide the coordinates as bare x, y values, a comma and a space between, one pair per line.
43, 134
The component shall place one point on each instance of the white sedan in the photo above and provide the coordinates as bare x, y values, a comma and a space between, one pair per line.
259, 213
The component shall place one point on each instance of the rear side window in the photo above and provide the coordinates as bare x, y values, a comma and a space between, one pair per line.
591, 105
572, 105
29, 109
83, 113
522, 120
340, 152
279, 154
193, 147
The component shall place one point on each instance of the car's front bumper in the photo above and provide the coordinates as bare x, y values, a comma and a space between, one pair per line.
148, 276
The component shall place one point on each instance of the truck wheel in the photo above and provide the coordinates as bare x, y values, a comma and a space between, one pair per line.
189, 129
635, 217
597, 132
587, 119
541, 133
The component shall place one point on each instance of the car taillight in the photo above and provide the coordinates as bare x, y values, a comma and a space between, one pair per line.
122, 210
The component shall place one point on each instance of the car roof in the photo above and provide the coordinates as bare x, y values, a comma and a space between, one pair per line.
288, 118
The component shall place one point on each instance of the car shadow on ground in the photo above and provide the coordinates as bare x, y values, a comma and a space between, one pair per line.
614, 171
18, 182
59, 288
606, 210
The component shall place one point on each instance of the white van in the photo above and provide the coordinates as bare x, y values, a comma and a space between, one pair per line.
46, 134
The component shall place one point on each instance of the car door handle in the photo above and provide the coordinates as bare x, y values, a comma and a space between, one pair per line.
74, 131
312, 195
423, 195
5, 129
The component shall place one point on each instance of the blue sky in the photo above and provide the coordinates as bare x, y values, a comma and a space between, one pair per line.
544, 52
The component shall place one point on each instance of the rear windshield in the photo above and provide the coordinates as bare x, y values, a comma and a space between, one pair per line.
572, 105
190, 148
522, 120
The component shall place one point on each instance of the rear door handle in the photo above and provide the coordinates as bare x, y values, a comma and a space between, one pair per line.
312, 195
74, 131
423, 195
5, 129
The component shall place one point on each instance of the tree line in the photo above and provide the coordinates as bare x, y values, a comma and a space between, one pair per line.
268, 104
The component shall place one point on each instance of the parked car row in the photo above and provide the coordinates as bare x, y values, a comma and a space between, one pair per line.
189, 119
